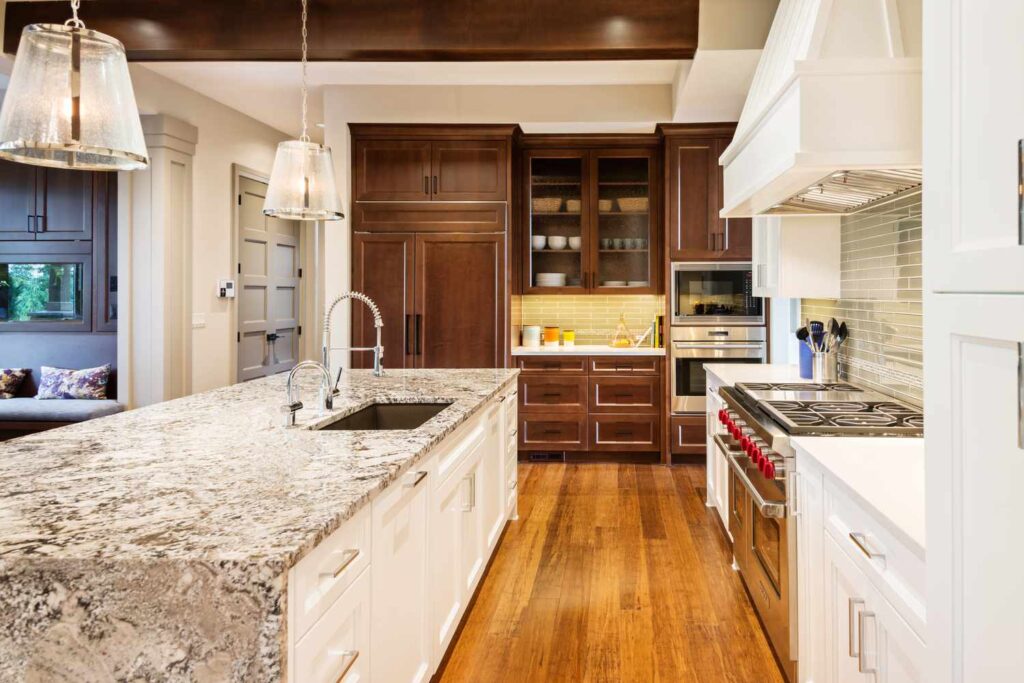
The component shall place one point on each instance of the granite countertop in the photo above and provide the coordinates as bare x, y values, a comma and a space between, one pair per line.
586, 350
885, 474
155, 544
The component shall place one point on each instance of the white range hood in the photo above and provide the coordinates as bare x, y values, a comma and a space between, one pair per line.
832, 122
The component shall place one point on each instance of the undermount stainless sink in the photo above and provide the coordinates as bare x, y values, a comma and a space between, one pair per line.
382, 416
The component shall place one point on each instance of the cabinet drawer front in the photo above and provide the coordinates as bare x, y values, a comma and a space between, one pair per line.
688, 434
553, 394
462, 445
568, 433
895, 570
337, 648
324, 574
625, 432
611, 365
625, 394
576, 365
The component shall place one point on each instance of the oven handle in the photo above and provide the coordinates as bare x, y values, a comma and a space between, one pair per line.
766, 508
719, 346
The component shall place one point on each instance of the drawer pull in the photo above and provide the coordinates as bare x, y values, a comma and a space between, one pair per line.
862, 655
351, 656
471, 503
513, 434
552, 432
551, 394
414, 479
514, 484
861, 541
347, 557
623, 432
852, 607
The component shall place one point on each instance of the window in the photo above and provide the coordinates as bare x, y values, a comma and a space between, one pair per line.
45, 292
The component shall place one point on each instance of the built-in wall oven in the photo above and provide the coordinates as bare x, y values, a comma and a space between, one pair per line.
692, 347
715, 294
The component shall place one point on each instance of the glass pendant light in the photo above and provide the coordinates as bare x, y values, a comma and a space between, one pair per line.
70, 102
302, 183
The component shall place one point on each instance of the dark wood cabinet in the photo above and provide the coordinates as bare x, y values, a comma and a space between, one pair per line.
47, 203
460, 300
687, 434
382, 268
590, 403
442, 298
591, 219
391, 170
469, 170
104, 253
695, 231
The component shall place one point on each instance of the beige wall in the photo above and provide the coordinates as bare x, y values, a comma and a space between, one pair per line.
226, 137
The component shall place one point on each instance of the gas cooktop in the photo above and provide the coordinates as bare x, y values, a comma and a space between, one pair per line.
834, 409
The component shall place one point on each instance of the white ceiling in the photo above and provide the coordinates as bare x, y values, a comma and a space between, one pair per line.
270, 91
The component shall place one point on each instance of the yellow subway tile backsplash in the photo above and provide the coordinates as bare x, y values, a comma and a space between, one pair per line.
593, 317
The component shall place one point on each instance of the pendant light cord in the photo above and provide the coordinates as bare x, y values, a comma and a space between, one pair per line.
305, 47
75, 22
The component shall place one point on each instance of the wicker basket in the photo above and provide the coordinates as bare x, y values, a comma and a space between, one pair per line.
604, 205
547, 204
573, 205
634, 204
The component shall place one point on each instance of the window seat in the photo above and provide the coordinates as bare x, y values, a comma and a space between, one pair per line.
21, 416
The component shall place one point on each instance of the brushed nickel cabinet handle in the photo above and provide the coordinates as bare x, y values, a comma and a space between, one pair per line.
426, 185
861, 541
1020, 192
468, 506
415, 479
862, 655
1020, 395
435, 184
852, 609
680, 435
351, 656
347, 558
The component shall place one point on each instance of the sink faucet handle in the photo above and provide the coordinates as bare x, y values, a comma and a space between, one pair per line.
289, 409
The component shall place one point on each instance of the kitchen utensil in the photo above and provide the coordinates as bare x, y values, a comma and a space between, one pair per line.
804, 335
817, 329
606, 243
573, 205
539, 241
618, 243
833, 332
531, 336
547, 204
825, 366
844, 332
551, 336
569, 338
575, 243
557, 242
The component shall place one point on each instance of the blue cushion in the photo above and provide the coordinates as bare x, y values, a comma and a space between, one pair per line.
65, 410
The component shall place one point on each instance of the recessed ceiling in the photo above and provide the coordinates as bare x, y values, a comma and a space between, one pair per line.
270, 91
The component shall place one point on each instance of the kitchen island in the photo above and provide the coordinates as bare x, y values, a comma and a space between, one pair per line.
160, 544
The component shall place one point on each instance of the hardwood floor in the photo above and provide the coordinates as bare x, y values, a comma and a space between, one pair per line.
612, 573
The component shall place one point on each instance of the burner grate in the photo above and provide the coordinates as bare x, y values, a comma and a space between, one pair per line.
845, 417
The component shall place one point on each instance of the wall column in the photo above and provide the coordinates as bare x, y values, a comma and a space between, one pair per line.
155, 346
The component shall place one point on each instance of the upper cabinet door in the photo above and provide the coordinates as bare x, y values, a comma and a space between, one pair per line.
556, 212
469, 170
391, 170
973, 134
693, 199
17, 201
65, 204
623, 247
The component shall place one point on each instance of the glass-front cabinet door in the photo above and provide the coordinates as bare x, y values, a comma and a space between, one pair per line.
622, 245
557, 209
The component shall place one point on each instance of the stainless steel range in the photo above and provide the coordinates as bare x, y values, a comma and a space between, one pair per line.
754, 438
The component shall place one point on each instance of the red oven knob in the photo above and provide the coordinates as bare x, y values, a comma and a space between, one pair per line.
744, 444
769, 470
723, 416
755, 454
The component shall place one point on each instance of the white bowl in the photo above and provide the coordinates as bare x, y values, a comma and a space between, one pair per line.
539, 241
557, 242
575, 243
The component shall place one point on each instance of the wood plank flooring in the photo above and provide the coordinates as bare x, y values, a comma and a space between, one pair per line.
612, 573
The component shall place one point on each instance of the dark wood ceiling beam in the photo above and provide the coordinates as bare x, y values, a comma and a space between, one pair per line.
384, 30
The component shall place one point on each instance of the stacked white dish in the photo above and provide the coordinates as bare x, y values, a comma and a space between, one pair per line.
638, 283
551, 279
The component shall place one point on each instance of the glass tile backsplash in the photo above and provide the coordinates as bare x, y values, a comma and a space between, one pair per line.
880, 299
592, 316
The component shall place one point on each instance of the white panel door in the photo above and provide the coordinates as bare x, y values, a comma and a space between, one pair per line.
901, 655
847, 593
974, 472
811, 571
492, 498
269, 267
973, 127
401, 594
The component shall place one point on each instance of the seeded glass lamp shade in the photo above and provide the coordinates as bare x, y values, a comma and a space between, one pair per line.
302, 184
70, 103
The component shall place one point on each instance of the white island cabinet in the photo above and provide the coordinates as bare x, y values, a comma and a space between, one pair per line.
860, 561
381, 598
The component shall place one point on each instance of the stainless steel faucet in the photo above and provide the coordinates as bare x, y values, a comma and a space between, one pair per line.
294, 405
378, 349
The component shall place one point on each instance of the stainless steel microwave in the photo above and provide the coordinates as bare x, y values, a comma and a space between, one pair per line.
715, 294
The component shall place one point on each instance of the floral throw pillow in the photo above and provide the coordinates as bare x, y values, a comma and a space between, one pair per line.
90, 383
10, 380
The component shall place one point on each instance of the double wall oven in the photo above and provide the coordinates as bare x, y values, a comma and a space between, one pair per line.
715, 319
